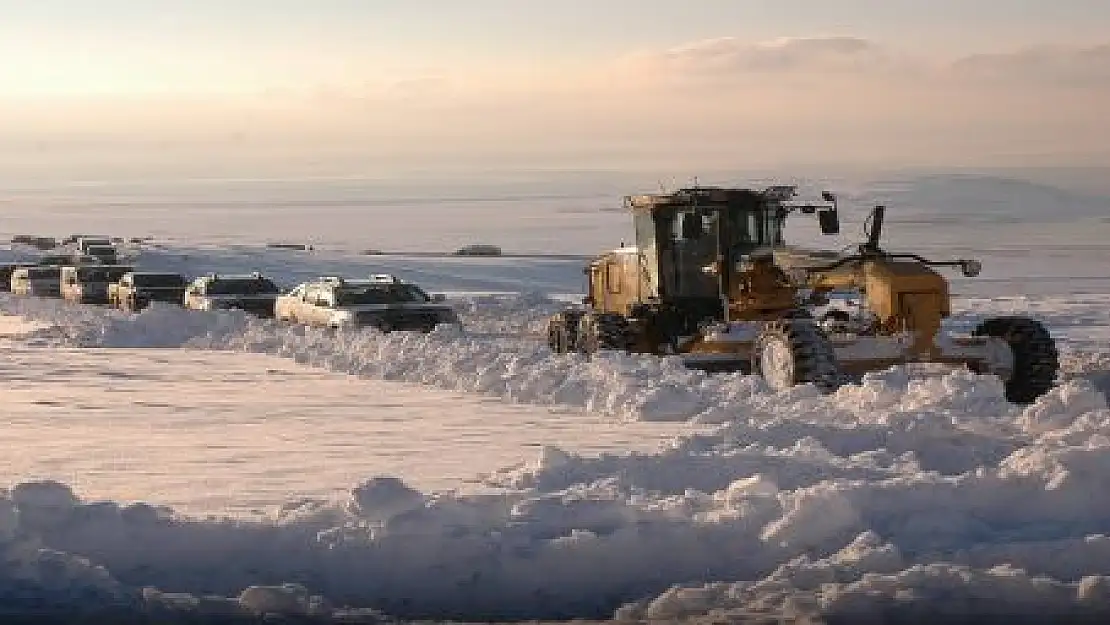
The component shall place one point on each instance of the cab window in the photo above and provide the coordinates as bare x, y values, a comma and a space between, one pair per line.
613, 277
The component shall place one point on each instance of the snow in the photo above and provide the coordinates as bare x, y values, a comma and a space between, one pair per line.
939, 467
239, 434
524, 484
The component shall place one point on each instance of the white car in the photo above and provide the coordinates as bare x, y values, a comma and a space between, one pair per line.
39, 281
381, 301
252, 293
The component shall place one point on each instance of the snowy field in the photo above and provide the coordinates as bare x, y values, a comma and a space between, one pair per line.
240, 434
478, 476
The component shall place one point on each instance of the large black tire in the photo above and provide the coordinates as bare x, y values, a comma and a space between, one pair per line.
562, 331
1036, 359
604, 331
809, 355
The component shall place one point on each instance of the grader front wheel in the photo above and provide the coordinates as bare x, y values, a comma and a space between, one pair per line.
1036, 359
794, 351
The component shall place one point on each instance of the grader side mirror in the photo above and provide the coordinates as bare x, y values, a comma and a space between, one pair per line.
829, 221
971, 268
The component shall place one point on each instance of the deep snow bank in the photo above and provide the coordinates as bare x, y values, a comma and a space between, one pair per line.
779, 519
898, 493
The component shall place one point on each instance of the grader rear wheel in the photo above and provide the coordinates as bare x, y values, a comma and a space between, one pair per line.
1036, 359
794, 351
562, 331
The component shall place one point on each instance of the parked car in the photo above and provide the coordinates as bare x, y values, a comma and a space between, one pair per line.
253, 293
105, 254
74, 239
35, 241
62, 260
383, 301
84, 243
89, 284
137, 289
478, 249
6, 271
40, 281
56, 260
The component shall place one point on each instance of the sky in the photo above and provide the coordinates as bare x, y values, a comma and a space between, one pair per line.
606, 83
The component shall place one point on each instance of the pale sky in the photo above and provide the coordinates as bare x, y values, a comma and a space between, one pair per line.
615, 80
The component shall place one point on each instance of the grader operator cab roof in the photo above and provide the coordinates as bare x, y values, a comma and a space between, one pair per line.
775, 196
774, 202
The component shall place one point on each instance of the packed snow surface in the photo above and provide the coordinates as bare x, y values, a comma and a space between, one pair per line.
912, 492
238, 433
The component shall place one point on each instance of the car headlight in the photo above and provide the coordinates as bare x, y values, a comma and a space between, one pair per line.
341, 319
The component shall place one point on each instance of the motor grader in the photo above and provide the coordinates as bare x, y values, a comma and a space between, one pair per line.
710, 279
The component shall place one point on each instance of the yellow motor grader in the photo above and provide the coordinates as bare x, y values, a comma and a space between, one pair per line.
711, 279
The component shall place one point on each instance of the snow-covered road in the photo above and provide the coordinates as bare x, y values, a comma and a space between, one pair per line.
240, 433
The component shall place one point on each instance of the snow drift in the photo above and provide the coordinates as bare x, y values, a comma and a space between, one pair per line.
502, 353
900, 493
737, 521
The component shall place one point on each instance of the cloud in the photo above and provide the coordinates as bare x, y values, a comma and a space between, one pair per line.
1052, 65
841, 58
726, 56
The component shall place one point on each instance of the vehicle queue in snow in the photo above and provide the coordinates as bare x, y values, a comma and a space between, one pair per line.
89, 271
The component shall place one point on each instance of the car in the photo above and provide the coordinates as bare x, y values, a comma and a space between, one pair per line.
84, 243
40, 281
35, 241
380, 301
253, 293
6, 271
57, 260
62, 260
105, 254
137, 289
89, 284
74, 239
478, 249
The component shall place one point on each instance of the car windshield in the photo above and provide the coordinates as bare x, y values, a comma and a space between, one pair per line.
39, 273
242, 286
156, 280
379, 294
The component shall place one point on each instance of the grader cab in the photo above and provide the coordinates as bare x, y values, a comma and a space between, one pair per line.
708, 280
